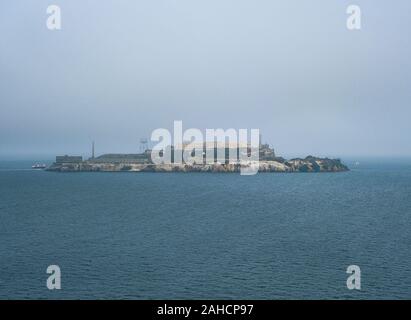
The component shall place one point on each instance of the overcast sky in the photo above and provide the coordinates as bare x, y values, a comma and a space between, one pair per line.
120, 69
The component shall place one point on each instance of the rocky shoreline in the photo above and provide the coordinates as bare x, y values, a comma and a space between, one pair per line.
308, 164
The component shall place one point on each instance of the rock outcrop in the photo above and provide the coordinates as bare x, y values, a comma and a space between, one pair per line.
308, 164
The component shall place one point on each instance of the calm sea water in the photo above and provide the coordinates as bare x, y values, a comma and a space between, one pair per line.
152, 236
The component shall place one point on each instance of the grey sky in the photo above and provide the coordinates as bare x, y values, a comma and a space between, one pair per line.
120, 69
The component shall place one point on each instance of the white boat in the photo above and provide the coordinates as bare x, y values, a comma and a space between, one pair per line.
38, 166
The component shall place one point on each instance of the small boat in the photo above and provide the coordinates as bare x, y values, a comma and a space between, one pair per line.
38, 166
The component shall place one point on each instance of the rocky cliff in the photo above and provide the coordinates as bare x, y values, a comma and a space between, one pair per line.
308, 164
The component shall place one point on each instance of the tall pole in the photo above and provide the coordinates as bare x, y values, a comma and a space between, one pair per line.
92, 150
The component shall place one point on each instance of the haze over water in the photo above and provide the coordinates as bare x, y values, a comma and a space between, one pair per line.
117, 70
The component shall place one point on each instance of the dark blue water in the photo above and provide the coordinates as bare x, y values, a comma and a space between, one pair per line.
151, 236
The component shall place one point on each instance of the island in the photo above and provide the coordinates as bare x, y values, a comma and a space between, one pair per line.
141, 162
